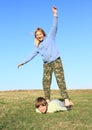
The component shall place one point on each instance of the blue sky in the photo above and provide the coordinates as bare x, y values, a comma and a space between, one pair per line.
19, 19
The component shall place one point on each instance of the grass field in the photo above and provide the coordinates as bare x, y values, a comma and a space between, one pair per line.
17, 111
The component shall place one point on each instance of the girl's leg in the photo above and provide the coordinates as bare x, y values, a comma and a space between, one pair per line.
47, 78
59, 74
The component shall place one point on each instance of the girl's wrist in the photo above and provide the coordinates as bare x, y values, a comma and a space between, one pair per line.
55, 14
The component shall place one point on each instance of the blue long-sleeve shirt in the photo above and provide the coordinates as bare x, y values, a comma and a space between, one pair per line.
47, 48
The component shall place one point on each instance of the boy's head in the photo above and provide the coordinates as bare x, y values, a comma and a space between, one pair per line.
41, 104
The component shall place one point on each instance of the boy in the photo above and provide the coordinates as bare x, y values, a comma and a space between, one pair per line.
46, 47
53, 106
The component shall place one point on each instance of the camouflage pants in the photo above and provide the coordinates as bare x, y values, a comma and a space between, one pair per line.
57, 68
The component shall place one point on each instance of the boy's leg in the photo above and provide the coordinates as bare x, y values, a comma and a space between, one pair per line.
47, 78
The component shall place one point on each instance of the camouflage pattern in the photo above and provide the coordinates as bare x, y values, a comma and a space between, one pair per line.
57, 68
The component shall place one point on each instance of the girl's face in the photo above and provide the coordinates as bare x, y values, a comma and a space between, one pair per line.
39, 36
42, 108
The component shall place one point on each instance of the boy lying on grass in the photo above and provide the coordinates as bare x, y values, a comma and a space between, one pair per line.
42, 106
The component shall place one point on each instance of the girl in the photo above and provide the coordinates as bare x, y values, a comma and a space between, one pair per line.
46, 47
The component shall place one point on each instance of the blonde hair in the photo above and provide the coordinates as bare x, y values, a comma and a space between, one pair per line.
41, 30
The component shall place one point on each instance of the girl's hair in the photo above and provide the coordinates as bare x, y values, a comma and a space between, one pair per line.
40, 101
41, 30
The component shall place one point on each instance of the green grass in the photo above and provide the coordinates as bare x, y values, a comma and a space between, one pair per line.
17, 111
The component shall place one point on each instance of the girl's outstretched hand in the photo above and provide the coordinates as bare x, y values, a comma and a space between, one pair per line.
19, 65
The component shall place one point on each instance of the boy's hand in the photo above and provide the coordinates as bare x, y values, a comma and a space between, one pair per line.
54, 9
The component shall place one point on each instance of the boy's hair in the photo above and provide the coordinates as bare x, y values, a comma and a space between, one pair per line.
40, 101
41, 30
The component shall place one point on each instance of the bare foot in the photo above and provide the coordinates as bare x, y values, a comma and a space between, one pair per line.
48, 100
68, 103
